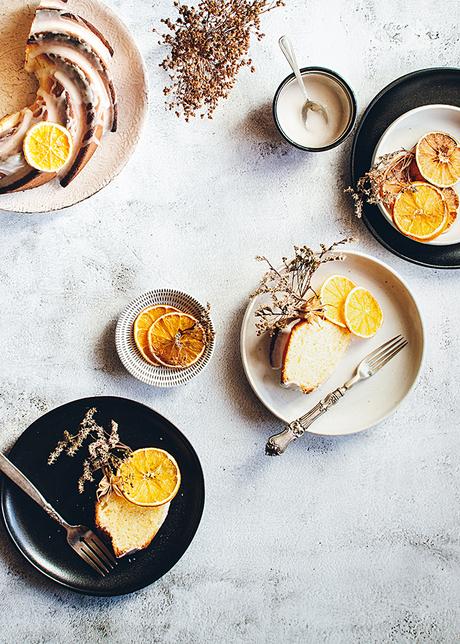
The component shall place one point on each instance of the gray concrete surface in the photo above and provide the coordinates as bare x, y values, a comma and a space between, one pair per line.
353, 540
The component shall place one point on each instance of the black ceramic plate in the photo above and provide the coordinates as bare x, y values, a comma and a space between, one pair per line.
43, 542
424, 87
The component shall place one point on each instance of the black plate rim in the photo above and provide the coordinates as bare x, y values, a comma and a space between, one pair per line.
374, 101
134, 587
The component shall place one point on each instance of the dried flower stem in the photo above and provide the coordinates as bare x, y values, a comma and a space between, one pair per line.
292, 295
388, 176
105, 450
208, 45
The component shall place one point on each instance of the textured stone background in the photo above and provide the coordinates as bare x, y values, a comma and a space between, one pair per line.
347, 540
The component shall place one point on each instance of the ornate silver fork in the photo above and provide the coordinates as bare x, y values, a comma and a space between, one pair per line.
368, 367
84, 541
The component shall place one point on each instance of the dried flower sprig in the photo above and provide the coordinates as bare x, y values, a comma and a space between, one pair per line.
105, 450
292, 295
208, 45
387, 177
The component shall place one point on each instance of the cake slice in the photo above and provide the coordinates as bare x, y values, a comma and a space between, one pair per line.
130, 527
312, 353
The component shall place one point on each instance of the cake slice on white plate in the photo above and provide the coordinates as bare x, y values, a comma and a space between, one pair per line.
312, 352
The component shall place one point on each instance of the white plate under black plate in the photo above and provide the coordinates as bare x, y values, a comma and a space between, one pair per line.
440, 85
377, 397
43, 542
404, 134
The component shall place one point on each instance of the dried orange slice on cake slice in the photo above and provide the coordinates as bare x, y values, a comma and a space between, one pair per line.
438, 159
141, 327
420, 211
362, 312
177, 340
333, 294
149, 477
47, 146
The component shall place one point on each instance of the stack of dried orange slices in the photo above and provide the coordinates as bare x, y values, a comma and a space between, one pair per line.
168, 337
423, 201
350, 306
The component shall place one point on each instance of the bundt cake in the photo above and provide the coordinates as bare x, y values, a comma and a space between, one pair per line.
70, 59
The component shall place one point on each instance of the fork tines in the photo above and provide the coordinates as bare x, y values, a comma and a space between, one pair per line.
383, 354
95, 553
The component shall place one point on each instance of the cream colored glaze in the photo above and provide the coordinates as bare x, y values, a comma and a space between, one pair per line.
50, 21
320, 88
12, 164
71, 53
13, 144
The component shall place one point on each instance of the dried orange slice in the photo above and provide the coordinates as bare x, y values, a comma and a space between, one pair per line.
176, 340
453, 202
438, 159
47, 146
149, 477
420, 211
333, 294
362, 312
141, 327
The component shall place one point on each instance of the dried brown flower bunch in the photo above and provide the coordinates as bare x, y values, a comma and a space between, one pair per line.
105, 451
292, 295
387, 177
209, 45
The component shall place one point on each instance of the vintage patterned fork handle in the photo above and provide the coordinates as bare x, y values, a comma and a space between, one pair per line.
278, 443
14, 474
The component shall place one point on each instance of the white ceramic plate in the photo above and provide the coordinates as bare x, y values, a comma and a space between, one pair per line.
406, 131
369, 402
18, 89
130, 356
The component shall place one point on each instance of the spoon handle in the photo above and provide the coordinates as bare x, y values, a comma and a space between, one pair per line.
288, 50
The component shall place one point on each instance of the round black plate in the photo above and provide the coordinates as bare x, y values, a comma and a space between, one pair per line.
424, 87
43, 542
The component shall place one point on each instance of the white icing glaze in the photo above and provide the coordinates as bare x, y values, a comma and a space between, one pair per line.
54, 22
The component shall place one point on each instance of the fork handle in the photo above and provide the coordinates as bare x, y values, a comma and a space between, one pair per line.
21, 480
278, 443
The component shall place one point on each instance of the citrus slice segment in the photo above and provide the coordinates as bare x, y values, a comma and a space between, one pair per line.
438, 159
333, 294
176, 340
420, 211
47, 146
141, 327
149, 477
453, 202
362, 312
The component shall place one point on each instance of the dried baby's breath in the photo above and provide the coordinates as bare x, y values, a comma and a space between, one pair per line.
105, 450
292, 295
374, 187
209, 44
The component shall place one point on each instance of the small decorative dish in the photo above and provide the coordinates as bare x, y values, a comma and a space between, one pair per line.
377, 398
159, 375
323, 85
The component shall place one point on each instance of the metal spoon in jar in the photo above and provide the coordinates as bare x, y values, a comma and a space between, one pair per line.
288, 50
